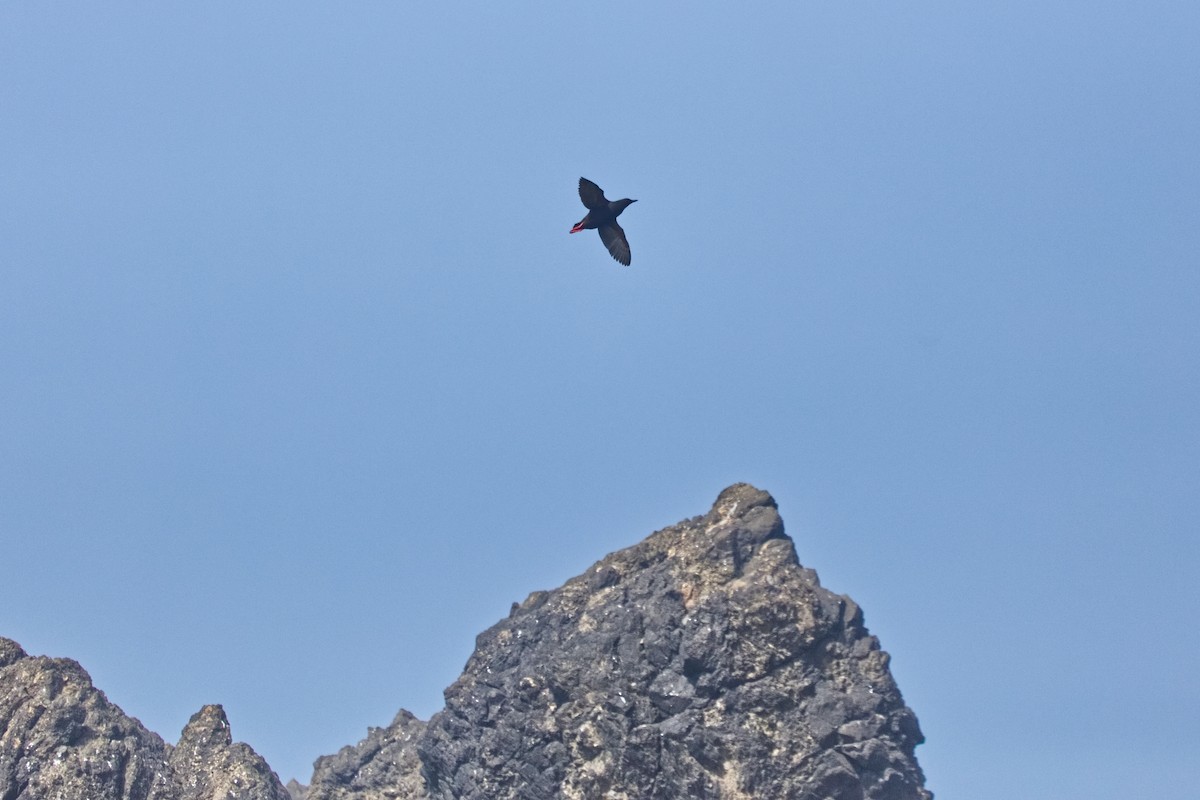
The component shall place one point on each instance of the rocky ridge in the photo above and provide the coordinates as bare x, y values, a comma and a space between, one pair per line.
703, 662
61, 739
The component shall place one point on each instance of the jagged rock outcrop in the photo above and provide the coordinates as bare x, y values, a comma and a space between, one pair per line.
704, 662
207, 763
385, 764
61, 739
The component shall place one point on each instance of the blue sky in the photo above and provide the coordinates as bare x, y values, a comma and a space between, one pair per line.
303, 381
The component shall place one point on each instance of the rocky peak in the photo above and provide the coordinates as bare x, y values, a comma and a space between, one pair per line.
63, 740
703, 662
208, 729
208, 765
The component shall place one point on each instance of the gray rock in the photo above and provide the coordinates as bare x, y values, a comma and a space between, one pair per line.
207, 764
63, 740
384, 765
703, 662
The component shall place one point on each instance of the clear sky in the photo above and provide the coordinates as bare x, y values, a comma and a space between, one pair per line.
303, 381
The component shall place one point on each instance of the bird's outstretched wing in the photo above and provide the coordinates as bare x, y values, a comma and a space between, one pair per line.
591, 194
614, 239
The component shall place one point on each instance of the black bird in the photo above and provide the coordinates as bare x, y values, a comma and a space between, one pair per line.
602, 215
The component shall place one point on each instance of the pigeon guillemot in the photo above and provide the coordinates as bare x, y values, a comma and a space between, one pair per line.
602, 215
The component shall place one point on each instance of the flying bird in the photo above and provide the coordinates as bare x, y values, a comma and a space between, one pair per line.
602, 215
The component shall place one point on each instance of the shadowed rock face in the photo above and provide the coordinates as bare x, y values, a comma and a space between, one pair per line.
385, 764
61, 739
704, 662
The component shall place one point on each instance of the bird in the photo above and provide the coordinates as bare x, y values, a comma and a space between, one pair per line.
602, 215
